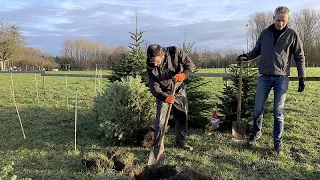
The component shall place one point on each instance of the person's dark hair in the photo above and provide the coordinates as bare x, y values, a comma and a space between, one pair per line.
154, 50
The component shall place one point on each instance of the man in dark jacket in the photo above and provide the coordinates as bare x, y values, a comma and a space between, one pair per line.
276, 45
164, 66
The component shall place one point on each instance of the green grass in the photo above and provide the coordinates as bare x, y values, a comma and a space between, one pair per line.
47, 153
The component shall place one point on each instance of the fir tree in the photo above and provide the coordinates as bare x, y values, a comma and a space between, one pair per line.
229, 94
124, 107
133, 62
197, 99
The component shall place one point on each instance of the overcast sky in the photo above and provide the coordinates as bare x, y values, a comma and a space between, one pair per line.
212, 24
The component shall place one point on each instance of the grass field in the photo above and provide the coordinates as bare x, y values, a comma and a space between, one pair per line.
47, 152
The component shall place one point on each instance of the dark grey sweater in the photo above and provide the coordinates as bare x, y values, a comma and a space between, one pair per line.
161, 78
276, 56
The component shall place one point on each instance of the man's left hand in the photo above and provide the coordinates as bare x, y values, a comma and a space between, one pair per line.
242, 57
180, 77
301, 84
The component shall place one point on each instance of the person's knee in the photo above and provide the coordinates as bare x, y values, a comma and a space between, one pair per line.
258, 111
278, 112
279, 117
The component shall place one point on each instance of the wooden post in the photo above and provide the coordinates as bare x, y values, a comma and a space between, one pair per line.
44, 84
99, 82
225, 71
247, 38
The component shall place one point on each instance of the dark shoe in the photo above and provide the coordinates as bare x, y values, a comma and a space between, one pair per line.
277, 149
185, 147
253, 138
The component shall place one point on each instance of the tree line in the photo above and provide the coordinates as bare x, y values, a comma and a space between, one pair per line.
85, 54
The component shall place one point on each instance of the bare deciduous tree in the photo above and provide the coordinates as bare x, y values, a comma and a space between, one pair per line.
11, 42
36, 59
305, 23
87, 54
257, 23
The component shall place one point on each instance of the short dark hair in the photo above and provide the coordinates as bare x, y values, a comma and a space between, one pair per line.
154, 50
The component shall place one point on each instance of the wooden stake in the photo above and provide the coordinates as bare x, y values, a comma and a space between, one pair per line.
100, 77
44, 84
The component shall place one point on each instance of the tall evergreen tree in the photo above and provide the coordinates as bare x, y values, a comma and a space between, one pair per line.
133, 62
197, 99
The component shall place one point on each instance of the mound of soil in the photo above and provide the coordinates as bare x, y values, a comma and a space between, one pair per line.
171, 173
155, 173
145, 137
119, 160
116, 159
98, 162
189, 174
122, 159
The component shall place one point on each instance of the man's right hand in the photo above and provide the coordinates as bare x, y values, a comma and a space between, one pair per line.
170, 99
242, 57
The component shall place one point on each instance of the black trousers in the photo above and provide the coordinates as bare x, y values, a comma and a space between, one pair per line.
180, 114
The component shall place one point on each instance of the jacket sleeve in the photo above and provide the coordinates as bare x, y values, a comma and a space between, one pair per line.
187, 63
155, 88
298, 55
256, 50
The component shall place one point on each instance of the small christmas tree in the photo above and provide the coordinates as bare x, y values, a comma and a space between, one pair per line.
197, 98
229, 94
124, 107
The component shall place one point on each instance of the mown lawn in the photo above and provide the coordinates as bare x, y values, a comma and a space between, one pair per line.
47, 152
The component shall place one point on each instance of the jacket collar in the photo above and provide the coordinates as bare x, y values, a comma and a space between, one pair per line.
273, 28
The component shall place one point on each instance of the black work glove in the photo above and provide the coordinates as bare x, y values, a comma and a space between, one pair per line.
301, 84
242, 57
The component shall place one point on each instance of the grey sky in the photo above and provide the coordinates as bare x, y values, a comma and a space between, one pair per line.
211, 24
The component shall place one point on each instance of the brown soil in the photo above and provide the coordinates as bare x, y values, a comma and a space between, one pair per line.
170, 173
145, 137
122, 159
189, 174
95, 163
155, 173
116, 159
